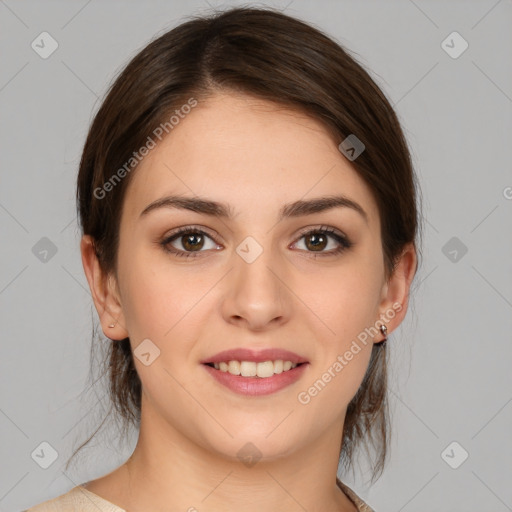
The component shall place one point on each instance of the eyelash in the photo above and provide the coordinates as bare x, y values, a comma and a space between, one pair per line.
343, 241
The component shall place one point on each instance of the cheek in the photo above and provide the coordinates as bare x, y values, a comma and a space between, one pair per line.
346, 310
346, 300
160, 298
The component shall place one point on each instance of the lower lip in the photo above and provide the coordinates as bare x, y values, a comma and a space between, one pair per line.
256, 386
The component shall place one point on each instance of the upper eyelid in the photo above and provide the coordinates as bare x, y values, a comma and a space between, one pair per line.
191, 229
322, 227
302, 232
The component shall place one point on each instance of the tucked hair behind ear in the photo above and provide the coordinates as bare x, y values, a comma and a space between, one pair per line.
275, 57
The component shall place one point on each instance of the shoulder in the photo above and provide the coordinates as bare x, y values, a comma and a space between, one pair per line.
77, 499
57, 504
356, 500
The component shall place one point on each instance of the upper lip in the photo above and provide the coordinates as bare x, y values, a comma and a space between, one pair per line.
257, 356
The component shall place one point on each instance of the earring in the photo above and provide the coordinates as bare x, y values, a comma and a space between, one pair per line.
113, 325
384, 331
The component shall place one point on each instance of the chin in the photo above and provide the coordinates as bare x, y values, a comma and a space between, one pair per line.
252, 447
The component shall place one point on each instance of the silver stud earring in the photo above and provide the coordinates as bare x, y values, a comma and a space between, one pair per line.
384, 331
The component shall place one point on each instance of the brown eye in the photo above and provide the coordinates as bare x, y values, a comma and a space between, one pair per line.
187, 241
317, 240
192, 241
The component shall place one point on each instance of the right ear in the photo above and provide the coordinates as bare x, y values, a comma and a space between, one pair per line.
104, 292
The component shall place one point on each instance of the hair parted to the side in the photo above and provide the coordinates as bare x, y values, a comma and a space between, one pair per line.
275, 57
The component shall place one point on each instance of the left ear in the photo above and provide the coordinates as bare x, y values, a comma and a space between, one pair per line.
395, 293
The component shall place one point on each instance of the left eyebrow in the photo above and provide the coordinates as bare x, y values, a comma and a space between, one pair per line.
223, 210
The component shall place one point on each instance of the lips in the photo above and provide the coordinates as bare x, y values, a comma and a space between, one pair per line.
244, 354
255, 385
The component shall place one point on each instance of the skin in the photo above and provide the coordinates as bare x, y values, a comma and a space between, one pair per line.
256, 157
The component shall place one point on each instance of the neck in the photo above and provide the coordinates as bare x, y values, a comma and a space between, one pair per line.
168, 471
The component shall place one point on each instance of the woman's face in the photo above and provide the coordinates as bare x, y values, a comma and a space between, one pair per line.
253, 280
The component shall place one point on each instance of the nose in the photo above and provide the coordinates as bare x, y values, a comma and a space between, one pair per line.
256, 293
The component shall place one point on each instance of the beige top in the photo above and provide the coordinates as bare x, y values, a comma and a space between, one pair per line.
83, 500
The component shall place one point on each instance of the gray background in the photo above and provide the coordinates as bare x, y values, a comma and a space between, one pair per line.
450, 375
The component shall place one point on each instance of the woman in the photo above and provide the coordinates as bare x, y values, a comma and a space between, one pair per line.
249, 218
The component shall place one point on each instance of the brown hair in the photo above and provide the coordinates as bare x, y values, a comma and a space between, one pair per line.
275, 57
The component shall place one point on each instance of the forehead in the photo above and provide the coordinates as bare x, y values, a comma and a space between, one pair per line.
252, 154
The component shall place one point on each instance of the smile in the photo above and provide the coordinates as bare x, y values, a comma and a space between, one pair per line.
263, 369
251, 378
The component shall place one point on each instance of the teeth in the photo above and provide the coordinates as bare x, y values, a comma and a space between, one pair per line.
248, 369
234, 367
252, 369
